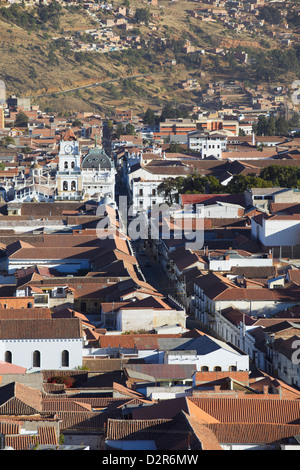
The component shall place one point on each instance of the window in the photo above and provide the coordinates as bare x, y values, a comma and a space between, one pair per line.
232, 368
83, 307
65, 358
66, 165
73, 186
217, 369
8, 357
204, 369
65, 186
36, 359
73, 165
140, 192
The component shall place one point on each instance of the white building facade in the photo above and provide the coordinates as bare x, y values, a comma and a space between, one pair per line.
207, 145
42, 344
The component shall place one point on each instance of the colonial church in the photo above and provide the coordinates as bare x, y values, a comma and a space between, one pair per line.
79, 177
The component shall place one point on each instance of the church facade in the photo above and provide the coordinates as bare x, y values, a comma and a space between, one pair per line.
81, 177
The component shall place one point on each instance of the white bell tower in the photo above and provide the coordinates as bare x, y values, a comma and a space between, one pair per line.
69, 179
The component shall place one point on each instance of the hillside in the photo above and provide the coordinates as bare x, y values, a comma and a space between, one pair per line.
37, 60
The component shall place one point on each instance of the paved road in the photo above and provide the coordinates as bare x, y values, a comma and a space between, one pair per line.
70, 90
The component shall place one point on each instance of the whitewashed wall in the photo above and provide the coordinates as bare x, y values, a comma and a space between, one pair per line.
50, 352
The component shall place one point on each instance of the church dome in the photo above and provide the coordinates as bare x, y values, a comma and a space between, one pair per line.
96, 159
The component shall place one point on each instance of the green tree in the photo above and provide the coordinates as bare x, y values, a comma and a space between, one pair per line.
271, 14
282, 126
169, 189
21, 119
149, 117
142, 15
241, 183
119, 130
7, 140
130, 129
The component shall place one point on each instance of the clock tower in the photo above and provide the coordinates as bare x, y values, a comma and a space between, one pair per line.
69, 179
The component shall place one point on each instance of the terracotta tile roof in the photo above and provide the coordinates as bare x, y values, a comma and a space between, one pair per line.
258, 294
254, 410
10, 427
284, 390
236, 317
294, 276
24, 313
53, 253
180, 433
199, 414
184, 258
40, 328
208, 440
18, 399
208, 199
207, 281
76, 412
145, 341
69, 135
146, 429
108, 307
252, 272
212, 376
101, 261
82, 421
150, 302
45, 436
68, 404
253, 433
42, 271
127, 392
17, 246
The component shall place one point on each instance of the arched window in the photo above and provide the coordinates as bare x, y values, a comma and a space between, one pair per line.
204, 369
217, 369
65, 358
73, 186
29, 305
65, 186
8, 357
36, 359
66, 165
73, 165
232, 368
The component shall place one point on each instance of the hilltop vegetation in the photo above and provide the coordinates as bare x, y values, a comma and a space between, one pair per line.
37, 59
